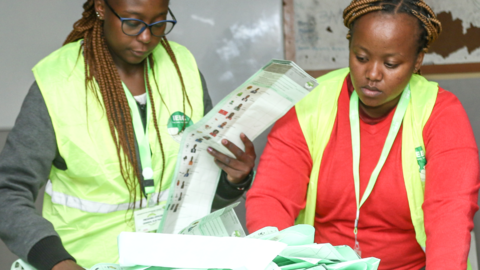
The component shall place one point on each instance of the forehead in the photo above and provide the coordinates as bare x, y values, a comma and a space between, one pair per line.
140, 6
388, 31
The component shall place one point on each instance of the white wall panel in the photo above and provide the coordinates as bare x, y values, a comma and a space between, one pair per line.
30, 30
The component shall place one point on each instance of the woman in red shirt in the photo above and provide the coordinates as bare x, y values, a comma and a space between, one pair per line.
388, 40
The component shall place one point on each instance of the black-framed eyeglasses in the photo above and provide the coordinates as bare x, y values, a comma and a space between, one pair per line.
134, 27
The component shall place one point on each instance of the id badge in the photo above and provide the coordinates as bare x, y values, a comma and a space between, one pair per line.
148, 219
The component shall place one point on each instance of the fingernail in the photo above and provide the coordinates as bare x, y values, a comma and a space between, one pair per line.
224, 142
243, 135
209, 149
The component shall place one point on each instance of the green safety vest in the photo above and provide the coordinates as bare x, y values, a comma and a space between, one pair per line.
317, 113
87, 203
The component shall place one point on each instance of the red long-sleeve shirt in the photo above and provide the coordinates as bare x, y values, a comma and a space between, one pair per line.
385, 227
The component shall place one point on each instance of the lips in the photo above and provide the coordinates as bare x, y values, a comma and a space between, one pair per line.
370, 91
139, 52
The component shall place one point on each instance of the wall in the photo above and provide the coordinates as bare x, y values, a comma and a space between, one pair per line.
41, 28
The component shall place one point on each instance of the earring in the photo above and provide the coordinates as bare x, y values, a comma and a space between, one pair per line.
98, 15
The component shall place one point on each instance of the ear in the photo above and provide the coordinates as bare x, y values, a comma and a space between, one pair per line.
419, 61
100, 9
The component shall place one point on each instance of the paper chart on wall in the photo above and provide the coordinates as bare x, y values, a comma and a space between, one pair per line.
250, 109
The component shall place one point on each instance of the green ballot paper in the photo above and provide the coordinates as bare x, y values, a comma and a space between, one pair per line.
303, 253
295, 249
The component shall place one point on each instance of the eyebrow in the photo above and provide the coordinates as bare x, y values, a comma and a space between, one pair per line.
139, 14
362, 48
365, 49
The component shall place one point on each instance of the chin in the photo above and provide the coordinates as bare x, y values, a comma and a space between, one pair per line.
135, 60
370, 102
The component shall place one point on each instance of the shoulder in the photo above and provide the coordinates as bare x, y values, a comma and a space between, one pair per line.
449, 122
447, 104
64, 54
334, 76
329, 85
288, 122
288, 134
181, 54
177, 49
448, 114
64, 65
324, 97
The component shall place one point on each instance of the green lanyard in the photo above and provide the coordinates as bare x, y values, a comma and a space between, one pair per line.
141, 135
392, 134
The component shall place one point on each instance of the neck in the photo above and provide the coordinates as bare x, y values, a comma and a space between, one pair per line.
127, 69
379, 111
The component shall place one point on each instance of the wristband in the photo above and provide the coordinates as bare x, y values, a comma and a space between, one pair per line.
245, 185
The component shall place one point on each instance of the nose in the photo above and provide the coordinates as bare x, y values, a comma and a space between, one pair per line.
145, 36
374, 72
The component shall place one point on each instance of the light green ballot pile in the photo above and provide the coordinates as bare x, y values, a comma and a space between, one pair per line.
218, 241
303, 253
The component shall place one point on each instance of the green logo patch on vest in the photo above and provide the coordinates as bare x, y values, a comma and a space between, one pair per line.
177, 123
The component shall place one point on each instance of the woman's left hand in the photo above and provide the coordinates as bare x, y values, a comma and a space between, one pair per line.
239, 168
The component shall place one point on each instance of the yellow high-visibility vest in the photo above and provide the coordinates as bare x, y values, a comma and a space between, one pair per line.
88, 202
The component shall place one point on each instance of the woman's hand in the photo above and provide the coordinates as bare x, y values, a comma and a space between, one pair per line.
67, 265
239, 168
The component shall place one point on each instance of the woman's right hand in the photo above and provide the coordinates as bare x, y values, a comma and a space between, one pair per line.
67, 265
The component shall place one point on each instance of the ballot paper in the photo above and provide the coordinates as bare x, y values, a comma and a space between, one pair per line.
266, 249
223, 223
21, 265
313, 254
303, 253
264, 232
298, 251
301, 234
250, 109
195, 251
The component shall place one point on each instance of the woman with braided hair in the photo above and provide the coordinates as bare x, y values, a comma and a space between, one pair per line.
95, 125
377, 157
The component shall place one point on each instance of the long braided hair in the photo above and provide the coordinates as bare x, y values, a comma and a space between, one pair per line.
101, 75
429, 25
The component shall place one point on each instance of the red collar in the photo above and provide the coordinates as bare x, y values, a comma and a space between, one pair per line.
363, 116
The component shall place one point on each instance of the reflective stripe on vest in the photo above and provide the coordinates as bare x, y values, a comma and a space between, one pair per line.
88, 201
317, 113
96, 207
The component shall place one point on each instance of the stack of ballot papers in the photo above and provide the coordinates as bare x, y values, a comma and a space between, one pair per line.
218, 241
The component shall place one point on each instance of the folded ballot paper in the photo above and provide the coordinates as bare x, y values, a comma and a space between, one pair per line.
217, 241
